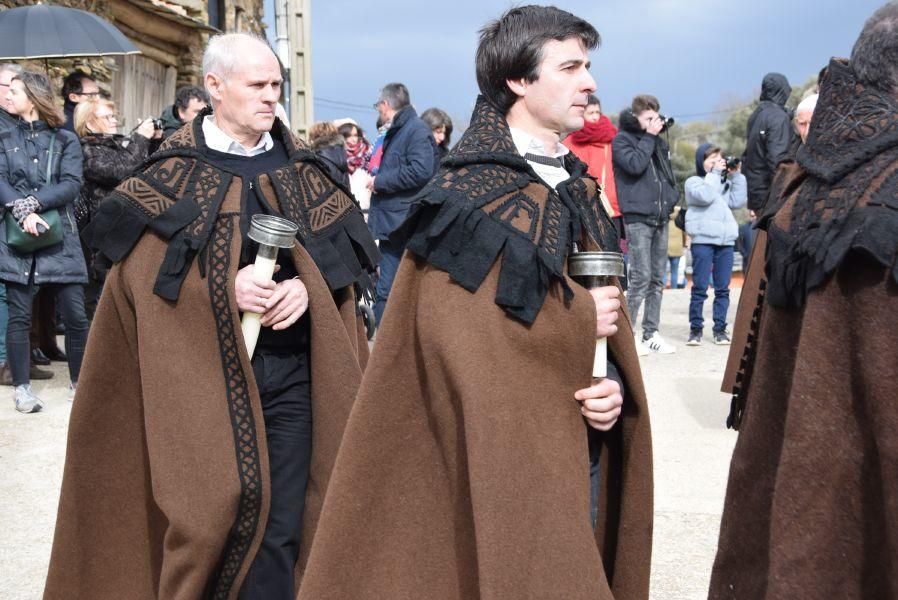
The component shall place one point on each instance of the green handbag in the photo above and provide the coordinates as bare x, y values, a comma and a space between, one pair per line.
25, 243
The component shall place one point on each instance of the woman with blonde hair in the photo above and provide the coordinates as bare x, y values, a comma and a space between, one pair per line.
40, 173
109, 158
327, 143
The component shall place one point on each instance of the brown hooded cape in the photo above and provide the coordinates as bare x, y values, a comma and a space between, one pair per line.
166, 488
463, 472
812, 502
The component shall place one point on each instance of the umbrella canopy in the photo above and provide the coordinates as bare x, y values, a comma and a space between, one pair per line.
47, 31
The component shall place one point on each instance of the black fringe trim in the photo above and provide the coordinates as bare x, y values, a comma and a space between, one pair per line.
345, 253
465, 242
796, 266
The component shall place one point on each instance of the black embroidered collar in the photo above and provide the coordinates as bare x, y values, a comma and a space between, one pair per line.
486, 200
852, 123
844, 194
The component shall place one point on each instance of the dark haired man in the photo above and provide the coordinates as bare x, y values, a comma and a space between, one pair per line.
811, 508
190, 101
77, 87
463, 470
408, 161
646, 193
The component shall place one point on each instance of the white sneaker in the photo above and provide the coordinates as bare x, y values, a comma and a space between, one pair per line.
26, 401
641, 349
657, 344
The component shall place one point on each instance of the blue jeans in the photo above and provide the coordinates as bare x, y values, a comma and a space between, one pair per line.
4, 321
745, 242
708, 260
674, 279
389, 264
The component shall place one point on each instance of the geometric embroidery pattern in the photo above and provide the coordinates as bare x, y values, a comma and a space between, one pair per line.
240, 409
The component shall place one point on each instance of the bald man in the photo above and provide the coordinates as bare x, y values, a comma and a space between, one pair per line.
192, 466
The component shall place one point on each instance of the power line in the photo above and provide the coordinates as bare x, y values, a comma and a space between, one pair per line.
367, 107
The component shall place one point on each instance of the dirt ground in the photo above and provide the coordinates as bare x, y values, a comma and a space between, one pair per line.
692, 449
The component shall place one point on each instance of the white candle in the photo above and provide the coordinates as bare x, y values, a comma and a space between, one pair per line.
600, 360
251, 324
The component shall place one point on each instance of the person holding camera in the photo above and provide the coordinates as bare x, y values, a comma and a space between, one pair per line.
646, 193
712, 193
109, 158
40, 175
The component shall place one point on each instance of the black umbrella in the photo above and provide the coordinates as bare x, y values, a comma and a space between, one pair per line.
48, 31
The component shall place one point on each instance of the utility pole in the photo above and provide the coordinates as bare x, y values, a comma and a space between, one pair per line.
295, 18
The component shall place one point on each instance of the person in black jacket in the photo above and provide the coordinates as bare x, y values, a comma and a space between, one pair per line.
328, 144
77, 87
410, 158
109, 158
769, 138
646, 193
441, 126
35, 147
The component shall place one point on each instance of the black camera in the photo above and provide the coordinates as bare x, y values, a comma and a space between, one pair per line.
667, 122
157, 124
733, 162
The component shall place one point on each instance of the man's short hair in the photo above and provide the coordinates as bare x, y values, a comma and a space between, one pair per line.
74, 83
11, 67
511, 47
874, 57
187, 93
644, 102
223, 51
592, 99
396, 95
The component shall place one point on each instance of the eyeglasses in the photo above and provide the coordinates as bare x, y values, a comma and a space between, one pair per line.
108, 117
92, 94
377, 104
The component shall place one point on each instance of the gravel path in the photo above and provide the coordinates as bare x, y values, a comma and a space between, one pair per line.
691, 444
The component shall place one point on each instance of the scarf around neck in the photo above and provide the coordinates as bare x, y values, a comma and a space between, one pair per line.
600, 132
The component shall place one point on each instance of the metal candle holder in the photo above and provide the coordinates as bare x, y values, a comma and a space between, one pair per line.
272, 233
593, 270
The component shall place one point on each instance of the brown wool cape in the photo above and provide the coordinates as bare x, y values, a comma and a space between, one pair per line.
463, 472
165, 491
811, 508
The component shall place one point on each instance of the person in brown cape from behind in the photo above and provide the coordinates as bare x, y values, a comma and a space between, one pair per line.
464, 472
811, 508
194, 470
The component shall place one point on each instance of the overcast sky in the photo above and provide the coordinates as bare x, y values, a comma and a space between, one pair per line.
694, 55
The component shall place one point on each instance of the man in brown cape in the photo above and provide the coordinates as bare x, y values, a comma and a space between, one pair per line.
464, 470
192, 470
812, 502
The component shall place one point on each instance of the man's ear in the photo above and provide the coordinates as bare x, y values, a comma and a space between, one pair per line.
213, 84
73, 98
517, 86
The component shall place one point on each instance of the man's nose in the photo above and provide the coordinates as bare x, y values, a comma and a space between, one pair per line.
589, 84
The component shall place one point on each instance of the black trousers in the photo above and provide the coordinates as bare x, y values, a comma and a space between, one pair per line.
70, 300
283, 380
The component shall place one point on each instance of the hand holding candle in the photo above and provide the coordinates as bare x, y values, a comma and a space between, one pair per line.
271, 233
594, 270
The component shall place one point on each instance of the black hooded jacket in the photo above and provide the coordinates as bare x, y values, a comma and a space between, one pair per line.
646, 187
769, 138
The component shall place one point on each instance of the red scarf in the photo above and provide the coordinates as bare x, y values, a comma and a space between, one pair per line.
357, 155
600, 132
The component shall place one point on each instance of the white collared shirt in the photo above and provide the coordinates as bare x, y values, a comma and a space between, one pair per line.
525, 143
216, 139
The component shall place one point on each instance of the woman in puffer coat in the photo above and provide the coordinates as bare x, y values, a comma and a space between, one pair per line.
711, 196
109, 159
27, 192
